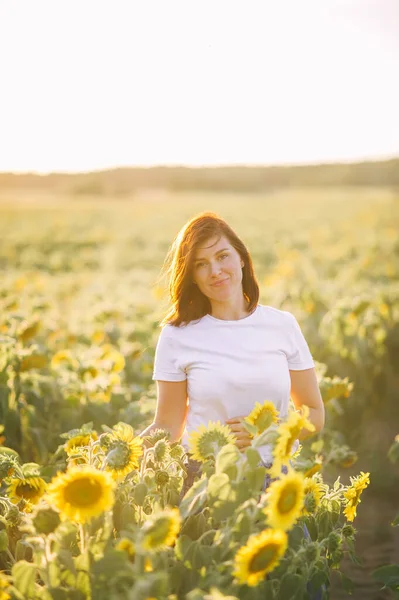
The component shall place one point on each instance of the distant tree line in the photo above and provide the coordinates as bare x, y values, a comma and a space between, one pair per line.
228, 178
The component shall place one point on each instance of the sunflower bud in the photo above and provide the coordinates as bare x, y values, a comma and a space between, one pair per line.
334, 542
46, 519
336, 558
147, 508
13, 516
177, 451
348, 531
312, 552
162, 478
160, 450
310, 503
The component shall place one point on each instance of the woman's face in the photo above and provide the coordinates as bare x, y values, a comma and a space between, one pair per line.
217, 270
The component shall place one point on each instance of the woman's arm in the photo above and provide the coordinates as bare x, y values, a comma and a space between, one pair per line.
305, 390
171, 409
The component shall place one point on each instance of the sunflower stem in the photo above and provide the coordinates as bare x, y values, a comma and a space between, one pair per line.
10, 556
82, 538
205, 534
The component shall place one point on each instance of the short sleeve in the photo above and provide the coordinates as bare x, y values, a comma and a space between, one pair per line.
166, 362
299, 356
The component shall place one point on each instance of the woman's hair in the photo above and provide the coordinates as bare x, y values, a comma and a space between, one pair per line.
188, 302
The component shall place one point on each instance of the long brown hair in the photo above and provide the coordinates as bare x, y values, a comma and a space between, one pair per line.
188, 302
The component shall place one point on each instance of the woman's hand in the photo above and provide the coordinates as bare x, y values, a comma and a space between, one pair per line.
243, 437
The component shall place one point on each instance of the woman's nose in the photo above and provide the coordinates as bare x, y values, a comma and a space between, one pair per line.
215, 268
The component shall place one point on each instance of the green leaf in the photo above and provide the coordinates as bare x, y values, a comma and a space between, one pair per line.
253, 457
290, 585
219, 487
64, 558
255, 479
222, 510
227, 458
267, 437
182, 545
395, 522
139, 494
324, 525
347, 583
311, 524
112, 564
296, 537
24, 574
335, 511
194, 499
388, 575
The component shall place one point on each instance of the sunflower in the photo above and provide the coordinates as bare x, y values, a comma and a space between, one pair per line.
262, 416
353, 494
29, 488
259, 556
123, 451
313, 494
126, 545
79, 440
285, 498
205, 442
316, 467
162, 530
82, 493
288, 433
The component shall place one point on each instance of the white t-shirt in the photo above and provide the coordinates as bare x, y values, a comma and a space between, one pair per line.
231, 365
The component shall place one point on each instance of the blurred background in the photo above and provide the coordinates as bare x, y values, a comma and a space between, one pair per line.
118, 122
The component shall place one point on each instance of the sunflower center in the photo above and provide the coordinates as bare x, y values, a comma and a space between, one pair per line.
25, 490
263, 558
83, 492
287, 500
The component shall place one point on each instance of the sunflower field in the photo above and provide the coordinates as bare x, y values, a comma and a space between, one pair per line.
89, 509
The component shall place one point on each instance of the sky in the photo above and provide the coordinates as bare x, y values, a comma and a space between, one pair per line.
87, 85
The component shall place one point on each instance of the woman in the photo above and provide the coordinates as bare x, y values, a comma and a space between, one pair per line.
219, 351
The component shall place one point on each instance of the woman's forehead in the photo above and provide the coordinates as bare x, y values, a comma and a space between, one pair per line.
212, 245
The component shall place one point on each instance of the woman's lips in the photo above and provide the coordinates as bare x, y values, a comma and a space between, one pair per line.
219, 283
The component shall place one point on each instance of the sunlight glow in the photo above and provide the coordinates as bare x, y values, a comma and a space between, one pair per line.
97, 84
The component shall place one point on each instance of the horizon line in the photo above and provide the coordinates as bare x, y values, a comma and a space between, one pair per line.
349, 161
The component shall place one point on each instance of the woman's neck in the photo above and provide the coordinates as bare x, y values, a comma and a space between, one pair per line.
230, 312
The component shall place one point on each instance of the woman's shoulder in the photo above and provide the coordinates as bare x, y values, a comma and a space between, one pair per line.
170, 330
276, 314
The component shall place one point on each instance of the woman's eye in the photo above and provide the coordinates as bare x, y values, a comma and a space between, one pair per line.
222, 256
